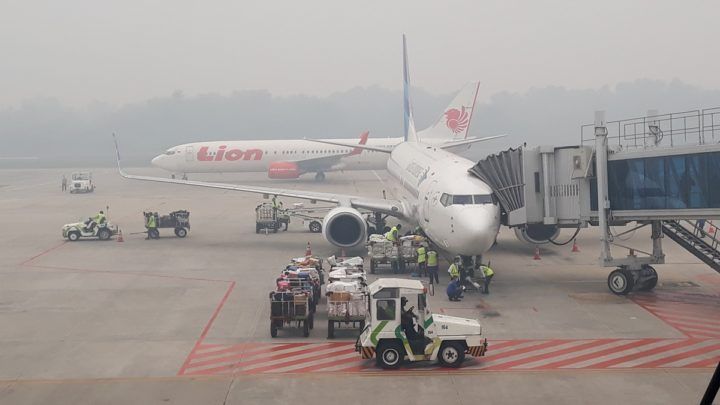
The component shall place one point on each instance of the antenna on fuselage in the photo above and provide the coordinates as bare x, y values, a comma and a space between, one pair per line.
410, 133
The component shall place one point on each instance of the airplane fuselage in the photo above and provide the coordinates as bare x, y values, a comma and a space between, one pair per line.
260, 155
455, 209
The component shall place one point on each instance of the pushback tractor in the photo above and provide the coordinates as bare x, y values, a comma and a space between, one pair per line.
399, 326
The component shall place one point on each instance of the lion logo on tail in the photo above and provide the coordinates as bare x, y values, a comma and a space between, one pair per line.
457, 120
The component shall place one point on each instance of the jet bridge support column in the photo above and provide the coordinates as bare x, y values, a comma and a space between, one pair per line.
602, 194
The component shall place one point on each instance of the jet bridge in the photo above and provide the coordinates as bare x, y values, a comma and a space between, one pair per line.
658, 171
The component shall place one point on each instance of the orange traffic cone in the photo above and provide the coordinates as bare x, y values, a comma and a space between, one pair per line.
120, 237
575, 248
308, 250
537, 253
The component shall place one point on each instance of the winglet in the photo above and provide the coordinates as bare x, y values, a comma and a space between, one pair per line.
363, 140
410, 134
117, 153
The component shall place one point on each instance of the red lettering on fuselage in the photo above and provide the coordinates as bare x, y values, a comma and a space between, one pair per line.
231, 155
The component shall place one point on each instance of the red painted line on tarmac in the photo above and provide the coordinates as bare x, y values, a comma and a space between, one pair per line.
649, 352
545, 345
701, 335
243, 354
508, 343
312, 349
691, 320
544, 356
226, 349
334, 363
594, 355
43, 253
712, 362
300, 361
679, 356
697, 326
205, 330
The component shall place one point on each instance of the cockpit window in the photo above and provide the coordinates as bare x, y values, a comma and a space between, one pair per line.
483, 199
170, 152
462, 199
467, 199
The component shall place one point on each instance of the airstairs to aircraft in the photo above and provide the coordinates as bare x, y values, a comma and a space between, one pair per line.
692, 240
658, 171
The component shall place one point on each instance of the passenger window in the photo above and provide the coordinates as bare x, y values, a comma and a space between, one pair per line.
386, 310
462, 199
444, 200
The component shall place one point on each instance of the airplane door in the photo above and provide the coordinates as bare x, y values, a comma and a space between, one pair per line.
189, 154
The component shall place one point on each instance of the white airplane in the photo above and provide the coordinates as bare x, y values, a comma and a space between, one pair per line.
455, 209
291, 158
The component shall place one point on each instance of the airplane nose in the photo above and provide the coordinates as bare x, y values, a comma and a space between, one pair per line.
156, 161
479, 229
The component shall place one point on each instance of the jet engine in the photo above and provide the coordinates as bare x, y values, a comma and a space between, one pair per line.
283, 170
537, 233
344, 227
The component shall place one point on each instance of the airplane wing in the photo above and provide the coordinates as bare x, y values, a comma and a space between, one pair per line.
468, 141
348, 145
326, 163
391, 207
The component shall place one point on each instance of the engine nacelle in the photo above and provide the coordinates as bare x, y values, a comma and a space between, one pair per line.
344, 227
284, 170
537, 233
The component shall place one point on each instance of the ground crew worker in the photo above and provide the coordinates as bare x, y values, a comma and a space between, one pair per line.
64, 183
432, 266
422, 261
392, 235
151, 226
99, 218
488, 274
454, 268
454, 290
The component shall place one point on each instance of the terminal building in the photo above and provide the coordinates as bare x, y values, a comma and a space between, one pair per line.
658, 171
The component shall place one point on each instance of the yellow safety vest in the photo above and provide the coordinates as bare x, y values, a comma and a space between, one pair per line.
453, 270
151, 222
432, 258
487, 271
99, 218
421, 255
392, 234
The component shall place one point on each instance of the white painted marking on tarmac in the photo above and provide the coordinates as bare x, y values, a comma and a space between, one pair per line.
623, 353
567, 356
662, 355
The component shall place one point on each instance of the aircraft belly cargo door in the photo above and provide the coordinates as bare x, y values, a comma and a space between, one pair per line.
189, 154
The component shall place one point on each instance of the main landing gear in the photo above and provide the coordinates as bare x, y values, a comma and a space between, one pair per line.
319, 176
624, 280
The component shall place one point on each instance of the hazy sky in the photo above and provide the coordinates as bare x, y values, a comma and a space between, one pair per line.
80, 51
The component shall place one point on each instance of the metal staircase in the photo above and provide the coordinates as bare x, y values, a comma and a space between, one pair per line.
694, 242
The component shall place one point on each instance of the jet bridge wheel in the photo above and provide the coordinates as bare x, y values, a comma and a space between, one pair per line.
650, 278
621, 281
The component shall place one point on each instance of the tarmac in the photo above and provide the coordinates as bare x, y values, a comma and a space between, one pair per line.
186, 321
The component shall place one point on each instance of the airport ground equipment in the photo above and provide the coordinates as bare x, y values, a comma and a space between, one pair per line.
310, 217
346, 309
179, 221
81, 182
439, 337
290, 308
78, 230
382, 252
269, 218
659, 172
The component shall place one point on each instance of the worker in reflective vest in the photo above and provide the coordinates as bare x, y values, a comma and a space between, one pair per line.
151, 226
488, 274
454, 268
393, 234
422, 261
432, 266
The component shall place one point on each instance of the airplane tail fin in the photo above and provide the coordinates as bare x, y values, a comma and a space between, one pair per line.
410, 133
454, 123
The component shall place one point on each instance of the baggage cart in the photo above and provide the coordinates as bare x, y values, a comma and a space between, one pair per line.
290, 309
346, 310
268, 218
179, 221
